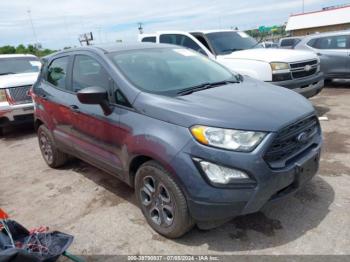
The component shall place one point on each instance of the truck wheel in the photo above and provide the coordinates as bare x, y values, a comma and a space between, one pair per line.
161, 201
51, 154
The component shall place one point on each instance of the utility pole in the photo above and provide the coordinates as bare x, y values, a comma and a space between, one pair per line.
140, 28
303, 6
31, 22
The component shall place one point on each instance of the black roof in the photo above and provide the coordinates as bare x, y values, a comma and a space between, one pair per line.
114, 47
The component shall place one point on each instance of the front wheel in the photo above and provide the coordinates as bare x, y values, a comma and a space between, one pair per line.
51, 154
162, 202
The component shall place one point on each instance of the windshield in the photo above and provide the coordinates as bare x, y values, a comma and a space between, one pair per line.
228, 42
167, 71
19, 65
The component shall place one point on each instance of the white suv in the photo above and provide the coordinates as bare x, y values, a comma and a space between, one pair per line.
17, 75
296, 70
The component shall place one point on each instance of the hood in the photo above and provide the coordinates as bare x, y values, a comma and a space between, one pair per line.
14, 80
271, 55
249, 105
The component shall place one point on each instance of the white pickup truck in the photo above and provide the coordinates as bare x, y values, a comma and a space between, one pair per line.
296, 70
18, 73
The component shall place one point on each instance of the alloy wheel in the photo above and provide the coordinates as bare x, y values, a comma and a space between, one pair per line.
46, 147
157, 202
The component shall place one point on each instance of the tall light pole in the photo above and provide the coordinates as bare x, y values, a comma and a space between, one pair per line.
303, 6
31, 22
140, 28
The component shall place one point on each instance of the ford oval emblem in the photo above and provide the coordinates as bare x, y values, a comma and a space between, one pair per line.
302, 137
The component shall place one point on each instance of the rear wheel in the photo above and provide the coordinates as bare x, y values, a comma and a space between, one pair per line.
161, 201
51, 154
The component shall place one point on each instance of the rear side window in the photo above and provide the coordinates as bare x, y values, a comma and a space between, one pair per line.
181, 40
149, 39
57, 72
87, 72
330, 42
290, 42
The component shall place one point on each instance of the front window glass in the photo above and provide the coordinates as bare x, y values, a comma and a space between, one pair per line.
19, 65
87, 72
168, 70
228, 42
181, 40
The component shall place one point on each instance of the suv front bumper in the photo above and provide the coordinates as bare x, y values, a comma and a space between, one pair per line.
208, 203
16, 114
307, 86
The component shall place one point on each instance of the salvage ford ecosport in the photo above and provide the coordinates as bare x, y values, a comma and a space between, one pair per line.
199, 144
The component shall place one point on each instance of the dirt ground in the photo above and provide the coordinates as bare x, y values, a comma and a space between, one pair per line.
101, 212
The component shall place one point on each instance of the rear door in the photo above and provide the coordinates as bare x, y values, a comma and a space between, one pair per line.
96, 135
53, 96
334, 54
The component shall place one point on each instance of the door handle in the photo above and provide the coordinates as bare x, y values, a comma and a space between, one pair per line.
43, 96
74, 108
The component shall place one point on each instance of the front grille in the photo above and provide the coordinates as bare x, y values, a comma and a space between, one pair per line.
303, 69
27, 117
300, 74
19, 95
286, 144
303, 64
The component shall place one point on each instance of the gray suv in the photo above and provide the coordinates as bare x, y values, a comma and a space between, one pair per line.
334, 52
199, 144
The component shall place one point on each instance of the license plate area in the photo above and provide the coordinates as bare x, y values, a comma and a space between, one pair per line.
306, 170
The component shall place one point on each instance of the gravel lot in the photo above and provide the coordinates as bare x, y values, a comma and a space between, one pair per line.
101, 212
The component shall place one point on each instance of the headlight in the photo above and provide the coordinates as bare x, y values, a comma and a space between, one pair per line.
3, 95
220, 174
276, 66
231, 139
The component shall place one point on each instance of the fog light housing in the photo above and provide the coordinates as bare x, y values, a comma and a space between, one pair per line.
221, 175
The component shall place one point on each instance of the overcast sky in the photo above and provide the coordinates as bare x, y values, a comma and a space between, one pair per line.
58, 23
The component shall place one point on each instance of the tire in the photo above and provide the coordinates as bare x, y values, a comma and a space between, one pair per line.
52, 155
162, 202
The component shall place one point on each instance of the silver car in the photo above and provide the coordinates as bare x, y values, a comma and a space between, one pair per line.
334, 52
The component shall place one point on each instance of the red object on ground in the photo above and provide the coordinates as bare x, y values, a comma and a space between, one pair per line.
3, 214
41, 229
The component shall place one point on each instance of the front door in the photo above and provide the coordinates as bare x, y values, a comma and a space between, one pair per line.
96, 135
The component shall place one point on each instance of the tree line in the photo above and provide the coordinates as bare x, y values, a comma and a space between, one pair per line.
29, 49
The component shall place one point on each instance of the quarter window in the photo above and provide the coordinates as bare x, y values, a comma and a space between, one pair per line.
88, 72
150, 39
57, 72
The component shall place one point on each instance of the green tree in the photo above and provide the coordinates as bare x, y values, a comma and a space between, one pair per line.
21, 49
7, 49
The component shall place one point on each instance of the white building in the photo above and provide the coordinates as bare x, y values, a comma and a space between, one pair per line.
328, 19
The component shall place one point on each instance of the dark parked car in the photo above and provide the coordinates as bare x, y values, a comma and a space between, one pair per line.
198, 143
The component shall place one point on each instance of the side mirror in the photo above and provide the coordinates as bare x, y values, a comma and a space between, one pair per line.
95, 96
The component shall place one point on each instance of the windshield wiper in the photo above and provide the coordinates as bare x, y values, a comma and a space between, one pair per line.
231, 50
7, 73
205, 86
